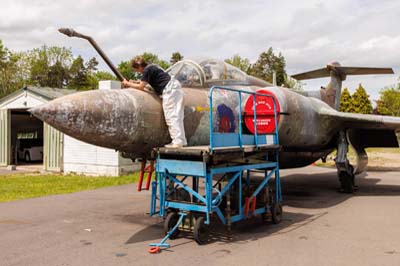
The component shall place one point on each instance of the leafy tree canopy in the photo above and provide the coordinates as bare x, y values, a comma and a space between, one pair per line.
267, 64
81, 74
239, 62
126, 70
49, 66
360, 101
153, 59
346, 104
175, 57
292, 83
389, 101
10, 79
45, 67
104, 75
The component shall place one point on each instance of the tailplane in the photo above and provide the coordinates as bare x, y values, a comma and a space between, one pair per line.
332, 92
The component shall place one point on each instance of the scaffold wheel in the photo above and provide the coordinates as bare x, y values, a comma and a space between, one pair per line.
169, 223
201, 231
276, 212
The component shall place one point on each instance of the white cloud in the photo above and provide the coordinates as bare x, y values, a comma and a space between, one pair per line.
310, 34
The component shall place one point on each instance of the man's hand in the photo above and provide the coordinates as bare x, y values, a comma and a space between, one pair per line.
125, 83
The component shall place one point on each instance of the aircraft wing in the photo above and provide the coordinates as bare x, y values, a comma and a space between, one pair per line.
363, 121
370, 130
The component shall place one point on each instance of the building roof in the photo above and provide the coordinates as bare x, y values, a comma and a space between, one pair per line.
49, 93
44, 92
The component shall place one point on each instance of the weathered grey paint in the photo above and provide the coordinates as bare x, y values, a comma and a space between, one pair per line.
309, 126
132, 121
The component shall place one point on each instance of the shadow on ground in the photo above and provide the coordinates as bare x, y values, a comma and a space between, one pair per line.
249, 230
321, 190
317, 191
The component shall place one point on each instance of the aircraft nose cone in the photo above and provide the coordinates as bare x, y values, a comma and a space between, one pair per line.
106, 118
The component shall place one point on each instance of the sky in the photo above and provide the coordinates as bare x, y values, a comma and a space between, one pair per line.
309, 33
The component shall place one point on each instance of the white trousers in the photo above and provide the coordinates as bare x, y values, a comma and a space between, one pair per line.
173, 107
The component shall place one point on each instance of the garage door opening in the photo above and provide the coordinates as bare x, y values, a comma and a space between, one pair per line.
26, 139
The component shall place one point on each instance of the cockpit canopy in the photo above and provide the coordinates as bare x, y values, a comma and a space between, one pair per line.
206, 72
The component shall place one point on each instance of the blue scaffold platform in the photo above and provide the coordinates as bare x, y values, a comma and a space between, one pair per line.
194, 184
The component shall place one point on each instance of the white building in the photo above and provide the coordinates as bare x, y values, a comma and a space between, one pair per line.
61, 153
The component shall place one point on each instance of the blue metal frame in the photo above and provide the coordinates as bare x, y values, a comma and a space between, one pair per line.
214, 143
167, 170
163, 243
207, 203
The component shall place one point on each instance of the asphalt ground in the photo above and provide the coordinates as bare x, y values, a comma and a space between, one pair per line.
111, 226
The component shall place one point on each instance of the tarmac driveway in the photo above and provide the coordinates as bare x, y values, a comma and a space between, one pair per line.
111, 226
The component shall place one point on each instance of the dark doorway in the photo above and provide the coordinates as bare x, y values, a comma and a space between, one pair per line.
26, 138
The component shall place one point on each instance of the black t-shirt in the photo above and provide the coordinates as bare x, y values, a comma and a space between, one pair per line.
156, 77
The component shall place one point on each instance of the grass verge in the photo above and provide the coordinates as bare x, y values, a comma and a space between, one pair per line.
23, 186
377, 157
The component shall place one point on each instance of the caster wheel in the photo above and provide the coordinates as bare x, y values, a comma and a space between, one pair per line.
276, 213
201, 231
170, 222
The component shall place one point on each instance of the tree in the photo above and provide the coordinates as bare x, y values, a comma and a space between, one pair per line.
57, 75
239, 62
292, 83
91, 65
9, 80
151, 58
346, 104
126, 70
23, 68
267, 64
389, 101
176, 57
360, 101
104, 75
56, 67
91, 80
77, 74
82, 75
3, 53
49, 66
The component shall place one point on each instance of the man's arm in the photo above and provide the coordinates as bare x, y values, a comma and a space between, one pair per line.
135, 84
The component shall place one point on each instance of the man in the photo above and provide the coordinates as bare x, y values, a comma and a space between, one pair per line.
171, 93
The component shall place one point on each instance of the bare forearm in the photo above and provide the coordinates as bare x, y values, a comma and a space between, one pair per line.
139, 85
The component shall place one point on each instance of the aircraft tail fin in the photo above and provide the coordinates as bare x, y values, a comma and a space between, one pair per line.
332, 92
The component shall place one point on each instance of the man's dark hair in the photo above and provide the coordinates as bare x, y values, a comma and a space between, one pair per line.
138, 61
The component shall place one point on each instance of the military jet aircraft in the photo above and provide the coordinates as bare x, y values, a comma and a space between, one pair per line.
310, 125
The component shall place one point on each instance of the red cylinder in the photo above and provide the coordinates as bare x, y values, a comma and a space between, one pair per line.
264, 112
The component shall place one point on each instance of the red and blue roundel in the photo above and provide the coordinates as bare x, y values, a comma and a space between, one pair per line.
264, 111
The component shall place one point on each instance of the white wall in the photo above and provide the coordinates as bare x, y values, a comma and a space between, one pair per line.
84, 158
